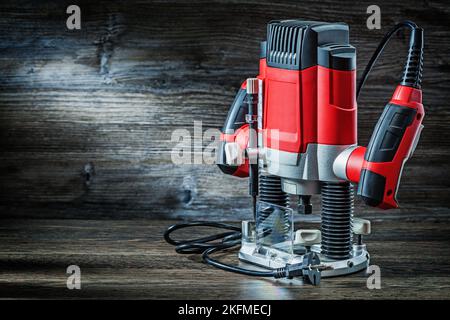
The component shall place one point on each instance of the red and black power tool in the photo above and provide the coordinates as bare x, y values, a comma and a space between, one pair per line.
292, 131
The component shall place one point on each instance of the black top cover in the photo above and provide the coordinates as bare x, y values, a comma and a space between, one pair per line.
293, 44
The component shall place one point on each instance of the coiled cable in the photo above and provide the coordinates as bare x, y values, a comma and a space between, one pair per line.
226, 240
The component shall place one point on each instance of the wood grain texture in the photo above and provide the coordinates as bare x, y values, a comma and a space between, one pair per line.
128, 259
86, 116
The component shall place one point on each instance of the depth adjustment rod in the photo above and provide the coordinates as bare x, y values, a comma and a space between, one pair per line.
252, 151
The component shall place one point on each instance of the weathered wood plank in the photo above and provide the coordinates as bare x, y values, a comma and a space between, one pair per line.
109, 96
128, 259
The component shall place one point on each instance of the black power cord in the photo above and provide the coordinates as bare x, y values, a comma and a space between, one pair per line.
412, 73
226, 240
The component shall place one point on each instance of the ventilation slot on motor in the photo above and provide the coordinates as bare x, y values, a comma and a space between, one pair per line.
283, 46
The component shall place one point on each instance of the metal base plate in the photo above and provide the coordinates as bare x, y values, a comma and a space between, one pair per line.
271, 258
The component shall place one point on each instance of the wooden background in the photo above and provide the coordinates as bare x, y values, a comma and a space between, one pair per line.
86, 116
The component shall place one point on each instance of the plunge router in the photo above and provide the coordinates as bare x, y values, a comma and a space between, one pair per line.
292, 132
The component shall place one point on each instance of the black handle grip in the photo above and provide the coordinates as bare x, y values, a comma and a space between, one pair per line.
382, 163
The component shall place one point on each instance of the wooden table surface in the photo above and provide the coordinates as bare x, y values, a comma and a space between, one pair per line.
129, 259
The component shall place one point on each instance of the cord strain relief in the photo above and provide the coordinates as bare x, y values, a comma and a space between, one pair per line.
280, 273
413, 70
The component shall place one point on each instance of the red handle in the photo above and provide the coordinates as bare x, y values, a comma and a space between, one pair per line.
391, 145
